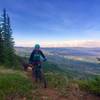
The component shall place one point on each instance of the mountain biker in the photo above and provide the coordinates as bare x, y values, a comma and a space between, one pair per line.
35, 60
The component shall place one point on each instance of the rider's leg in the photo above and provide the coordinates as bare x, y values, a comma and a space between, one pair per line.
37, 72
33, 73
42, 78
36, 75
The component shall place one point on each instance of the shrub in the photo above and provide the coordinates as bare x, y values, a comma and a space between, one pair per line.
91, 85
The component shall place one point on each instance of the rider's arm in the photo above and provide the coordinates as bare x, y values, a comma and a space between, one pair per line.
43, 55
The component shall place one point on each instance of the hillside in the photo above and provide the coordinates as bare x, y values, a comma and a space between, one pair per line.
63, 83
19, 85
67, 79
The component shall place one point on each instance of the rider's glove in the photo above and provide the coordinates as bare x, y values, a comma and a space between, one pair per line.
45, 59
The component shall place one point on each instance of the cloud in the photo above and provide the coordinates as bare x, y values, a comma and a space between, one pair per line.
69, 43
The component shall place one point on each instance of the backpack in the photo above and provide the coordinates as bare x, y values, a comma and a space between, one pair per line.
37, 56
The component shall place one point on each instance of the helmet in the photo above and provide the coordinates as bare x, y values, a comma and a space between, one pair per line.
37, 46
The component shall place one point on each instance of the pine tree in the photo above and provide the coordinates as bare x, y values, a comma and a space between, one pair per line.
10, 43
7, 46
1, 43
1, 46
4, 36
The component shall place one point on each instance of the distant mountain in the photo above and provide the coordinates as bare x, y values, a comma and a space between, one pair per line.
72, 51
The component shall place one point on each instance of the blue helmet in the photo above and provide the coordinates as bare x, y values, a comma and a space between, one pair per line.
37, 46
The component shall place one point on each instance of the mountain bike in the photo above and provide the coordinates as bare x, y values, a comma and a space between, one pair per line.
38, 74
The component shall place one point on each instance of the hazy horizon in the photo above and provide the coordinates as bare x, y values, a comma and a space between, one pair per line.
74, 43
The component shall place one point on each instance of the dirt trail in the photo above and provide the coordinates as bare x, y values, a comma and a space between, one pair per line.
72, 93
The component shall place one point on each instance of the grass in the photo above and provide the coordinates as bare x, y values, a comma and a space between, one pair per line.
56, 77
14, 84
56, 80
90, 85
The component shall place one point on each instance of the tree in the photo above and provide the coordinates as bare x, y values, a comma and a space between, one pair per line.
1, 46
6, 40
10, 42
1, 43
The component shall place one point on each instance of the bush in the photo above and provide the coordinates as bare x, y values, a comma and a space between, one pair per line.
91, 85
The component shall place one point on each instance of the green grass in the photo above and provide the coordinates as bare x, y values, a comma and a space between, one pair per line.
90, 85
15, 85
56, 77
56, 80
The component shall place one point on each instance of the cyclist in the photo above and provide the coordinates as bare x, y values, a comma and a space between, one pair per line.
35, 60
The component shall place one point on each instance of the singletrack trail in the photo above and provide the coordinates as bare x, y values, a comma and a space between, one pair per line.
72, 92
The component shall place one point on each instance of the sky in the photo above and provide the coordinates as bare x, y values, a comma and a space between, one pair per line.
54, 23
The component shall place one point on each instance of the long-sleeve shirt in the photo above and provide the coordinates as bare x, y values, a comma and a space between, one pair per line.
40, 53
